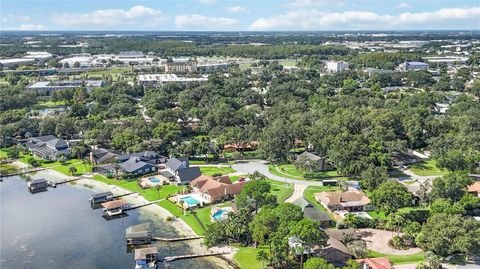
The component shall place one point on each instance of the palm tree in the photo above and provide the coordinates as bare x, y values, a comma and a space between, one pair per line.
262, 256
116, 166
158, 188
72, 170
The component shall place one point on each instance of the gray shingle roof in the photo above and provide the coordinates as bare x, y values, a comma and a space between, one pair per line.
133, 164
174, 164
189, 174
310, 156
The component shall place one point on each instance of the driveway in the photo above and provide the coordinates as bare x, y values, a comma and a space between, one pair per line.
418, 178
377, 240
262, 167
297, 193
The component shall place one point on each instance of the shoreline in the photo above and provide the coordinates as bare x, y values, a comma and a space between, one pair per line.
182, 228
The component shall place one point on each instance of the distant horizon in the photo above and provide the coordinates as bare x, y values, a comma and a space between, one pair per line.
239, 15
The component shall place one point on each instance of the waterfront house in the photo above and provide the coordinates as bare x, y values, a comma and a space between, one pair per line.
375, 263
353, 201
215, 189
48, 147
319, 163
136, 166
179, 172
139, 163
103, 156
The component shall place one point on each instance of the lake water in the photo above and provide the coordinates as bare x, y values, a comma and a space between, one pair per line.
59, 229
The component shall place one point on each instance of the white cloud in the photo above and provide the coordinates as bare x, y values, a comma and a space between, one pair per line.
207, 2
104, 18
403, 5
203, 22
31, 27
236, 9
313, 3
312, 19
15, 18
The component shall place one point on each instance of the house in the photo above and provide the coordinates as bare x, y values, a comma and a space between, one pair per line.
214, 189
353, 201
145, 156
103, 156
179, 171
334, 66
375, 263
474, 189
136, 166
240, 146
313, 213
48, 147
335, 252
404, 158
320, 163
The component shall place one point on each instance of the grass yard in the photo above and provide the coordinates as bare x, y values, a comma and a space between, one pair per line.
63, 168
49, 104
281, 189
203, 213
8, 169
212, 170
3, 154
188, 217
309, 194
399, 259
428, 168
377, 214
289, 170
150, 194
246, 257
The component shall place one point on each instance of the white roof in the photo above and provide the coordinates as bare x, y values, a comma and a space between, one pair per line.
16, 60
167, 78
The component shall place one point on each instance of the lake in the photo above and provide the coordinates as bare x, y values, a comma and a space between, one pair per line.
59, 229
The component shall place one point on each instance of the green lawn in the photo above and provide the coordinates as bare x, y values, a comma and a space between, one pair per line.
203, 213
246, 257
8, 169
309, 194
281, 189
289, 171
81, 167
236, 178
188, 217
210, 171
3, 154
49, 104
377, 214
399, 259
428, 168
150, 194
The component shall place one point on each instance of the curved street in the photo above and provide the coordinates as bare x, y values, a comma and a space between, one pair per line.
262, 167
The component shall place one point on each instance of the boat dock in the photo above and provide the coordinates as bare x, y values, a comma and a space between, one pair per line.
23, 172
122, 195
192, 256
175, 239
142, 205
55, 184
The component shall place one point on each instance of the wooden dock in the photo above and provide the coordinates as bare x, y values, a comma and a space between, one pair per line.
192, 256
122, 195
142, 205
55, 184
175, 239
23, 172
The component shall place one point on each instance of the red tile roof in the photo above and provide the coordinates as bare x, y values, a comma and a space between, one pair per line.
377, 263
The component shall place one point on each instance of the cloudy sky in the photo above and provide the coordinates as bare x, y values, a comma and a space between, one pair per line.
238, 15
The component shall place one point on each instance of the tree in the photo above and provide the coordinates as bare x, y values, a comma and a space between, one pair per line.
13, 153
373, 176
305, 164
72, 170
309, 233
33, 162
158, 188
452, 186
391, 196
262, 257
167, 131
255, 194
446, 234
446, 206
317, 263
124, 140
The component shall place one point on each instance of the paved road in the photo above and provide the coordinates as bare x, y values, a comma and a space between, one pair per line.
260, 166
418, 178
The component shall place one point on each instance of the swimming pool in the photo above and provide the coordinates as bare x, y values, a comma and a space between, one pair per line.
154, 180
189, 200
221, 213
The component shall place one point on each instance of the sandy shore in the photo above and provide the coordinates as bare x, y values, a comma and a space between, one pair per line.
180, 226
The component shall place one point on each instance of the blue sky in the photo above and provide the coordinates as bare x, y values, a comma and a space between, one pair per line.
232, 15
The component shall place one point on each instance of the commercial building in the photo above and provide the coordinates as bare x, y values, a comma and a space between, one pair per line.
414, 66
334, 66
159, 79
49, 86
16, 62
40, 56
181, 66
